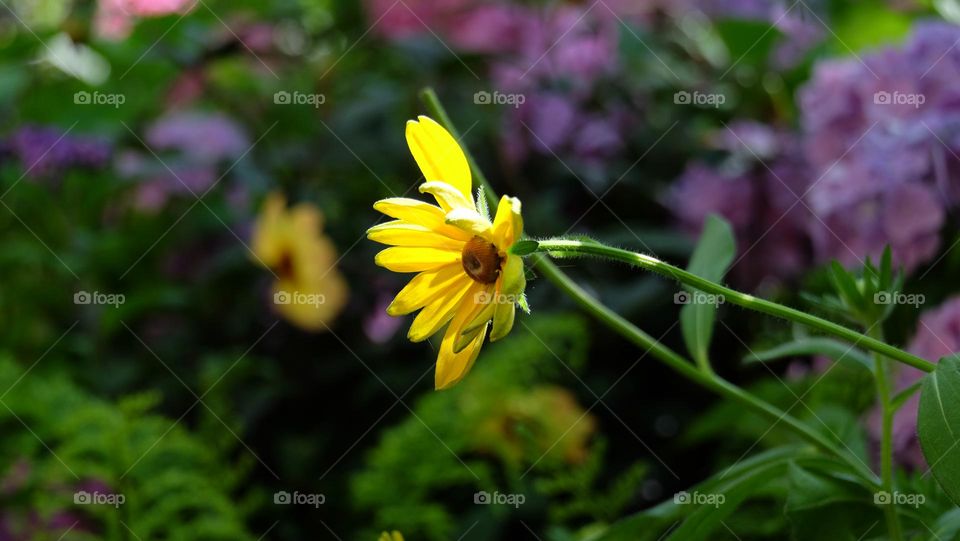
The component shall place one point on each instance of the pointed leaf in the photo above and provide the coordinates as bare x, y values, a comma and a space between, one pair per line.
845, 285
711, 259
938, 424
524, 247
834, 349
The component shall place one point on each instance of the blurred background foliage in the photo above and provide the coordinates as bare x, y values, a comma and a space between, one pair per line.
141, 138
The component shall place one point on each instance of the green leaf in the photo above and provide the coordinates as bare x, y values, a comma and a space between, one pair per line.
810, 489
886, 269
825, 502
865, 25
711, 259
947, 526
736, 483
901, 398
845, 285
708, 518
524, 247
938, 424
749, 41
833, 349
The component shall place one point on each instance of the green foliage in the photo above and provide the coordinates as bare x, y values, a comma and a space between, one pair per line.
803, 346
59, 440
574, 494
502, 430
938, 423
863, 298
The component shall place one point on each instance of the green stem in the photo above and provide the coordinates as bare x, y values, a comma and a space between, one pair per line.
678, 363
675, 361
562, 247
886, 441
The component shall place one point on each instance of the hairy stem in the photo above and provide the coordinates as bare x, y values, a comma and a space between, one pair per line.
562, 247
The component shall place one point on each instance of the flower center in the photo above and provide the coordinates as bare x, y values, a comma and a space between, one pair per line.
285, 267
481, 260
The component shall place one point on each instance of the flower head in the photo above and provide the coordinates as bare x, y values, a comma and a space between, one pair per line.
466, 275
309, 291
391, 536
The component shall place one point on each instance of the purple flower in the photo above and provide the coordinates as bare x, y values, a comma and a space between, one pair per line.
200, 137
760, 200
193, 147
882, 137
45, 151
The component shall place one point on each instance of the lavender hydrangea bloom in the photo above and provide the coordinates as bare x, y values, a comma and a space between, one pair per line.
46, 151
195, 144
937, 336
199, 136
882, 139
563, 56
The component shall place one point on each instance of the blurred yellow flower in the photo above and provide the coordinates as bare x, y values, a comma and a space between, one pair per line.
391, 536
309, 291
467, 277
543, 425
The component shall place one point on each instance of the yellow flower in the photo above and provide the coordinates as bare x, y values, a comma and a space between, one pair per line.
467, 277
309, 291
391, 536
544, 424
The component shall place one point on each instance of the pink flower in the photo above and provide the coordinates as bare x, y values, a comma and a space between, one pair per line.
114, 19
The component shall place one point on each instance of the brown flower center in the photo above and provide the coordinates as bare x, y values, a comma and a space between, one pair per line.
285, 266
481, 260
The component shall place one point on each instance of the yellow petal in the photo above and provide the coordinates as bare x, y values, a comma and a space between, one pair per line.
419, 212
312, 306
447, 195
466, 337
438, 154
424, 288
409, 259
400, 233
471, 221
410, 210
512, 280
452, 367
439, 312
484, 304
502, 320
268, 231
508, 223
